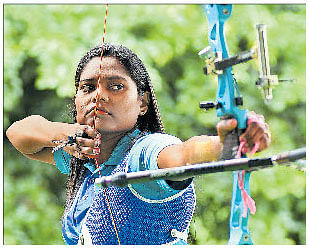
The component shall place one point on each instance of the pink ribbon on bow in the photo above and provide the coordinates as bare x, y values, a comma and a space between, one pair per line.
247, 200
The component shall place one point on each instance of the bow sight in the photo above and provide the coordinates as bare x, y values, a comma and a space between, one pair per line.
215, 65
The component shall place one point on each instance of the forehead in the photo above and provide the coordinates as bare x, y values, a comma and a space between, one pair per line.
110, 66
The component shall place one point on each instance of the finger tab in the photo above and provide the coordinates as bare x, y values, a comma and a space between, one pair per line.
97, 143
96, 150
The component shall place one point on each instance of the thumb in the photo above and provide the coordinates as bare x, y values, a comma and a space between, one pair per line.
224, 127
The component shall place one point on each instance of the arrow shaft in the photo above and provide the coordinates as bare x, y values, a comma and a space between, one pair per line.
123, 179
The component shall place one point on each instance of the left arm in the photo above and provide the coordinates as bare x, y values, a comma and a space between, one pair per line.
201, 149
195, 150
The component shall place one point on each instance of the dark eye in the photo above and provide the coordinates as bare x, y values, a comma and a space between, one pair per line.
116, 87
87, 88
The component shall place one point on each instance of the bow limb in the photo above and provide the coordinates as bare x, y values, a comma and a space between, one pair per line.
227, 106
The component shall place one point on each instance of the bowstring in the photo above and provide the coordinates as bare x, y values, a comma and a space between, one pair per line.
95, 116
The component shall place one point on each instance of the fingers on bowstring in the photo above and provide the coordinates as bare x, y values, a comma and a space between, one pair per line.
82, 151
85, 142
87, 136
86, 131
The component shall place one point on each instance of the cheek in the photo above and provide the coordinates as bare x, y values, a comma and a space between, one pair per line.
128, 110
132, 106
80, 105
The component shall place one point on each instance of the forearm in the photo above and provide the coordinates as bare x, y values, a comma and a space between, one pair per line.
198, 149
201, 149
34, 133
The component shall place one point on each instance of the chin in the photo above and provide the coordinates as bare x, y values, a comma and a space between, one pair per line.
108, 129
112, 126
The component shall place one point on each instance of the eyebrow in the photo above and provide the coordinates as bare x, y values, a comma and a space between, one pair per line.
88, 80
108, 78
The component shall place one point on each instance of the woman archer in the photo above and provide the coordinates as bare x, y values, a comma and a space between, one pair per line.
117, 128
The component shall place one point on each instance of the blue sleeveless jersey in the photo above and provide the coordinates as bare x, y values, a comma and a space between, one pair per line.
144, 214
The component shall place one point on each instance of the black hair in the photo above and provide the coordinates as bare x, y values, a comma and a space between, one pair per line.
149, 122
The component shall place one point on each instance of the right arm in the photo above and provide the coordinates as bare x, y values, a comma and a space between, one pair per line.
33, 136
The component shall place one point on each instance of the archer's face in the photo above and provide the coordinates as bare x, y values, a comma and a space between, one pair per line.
116, 98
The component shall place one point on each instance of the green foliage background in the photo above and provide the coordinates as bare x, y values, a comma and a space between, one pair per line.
42, 46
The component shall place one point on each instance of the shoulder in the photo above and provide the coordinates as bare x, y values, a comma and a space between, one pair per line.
161, 139
144, 153
148, 147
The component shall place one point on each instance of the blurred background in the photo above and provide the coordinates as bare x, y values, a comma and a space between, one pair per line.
42, 46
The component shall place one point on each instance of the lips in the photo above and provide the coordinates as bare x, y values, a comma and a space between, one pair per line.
99, 111
102, 112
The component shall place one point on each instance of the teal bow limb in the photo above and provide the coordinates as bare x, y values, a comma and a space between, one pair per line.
226, 104
239, 231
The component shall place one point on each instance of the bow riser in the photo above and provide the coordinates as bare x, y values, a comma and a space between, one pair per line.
226, 101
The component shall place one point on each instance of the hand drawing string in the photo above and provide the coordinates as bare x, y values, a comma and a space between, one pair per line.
95, 116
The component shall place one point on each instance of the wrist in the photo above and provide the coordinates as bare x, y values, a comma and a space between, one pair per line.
204, 149
59, 131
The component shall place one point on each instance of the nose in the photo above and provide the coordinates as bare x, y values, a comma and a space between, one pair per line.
100, 95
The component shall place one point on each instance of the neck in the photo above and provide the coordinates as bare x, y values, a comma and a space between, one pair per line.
108, 144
